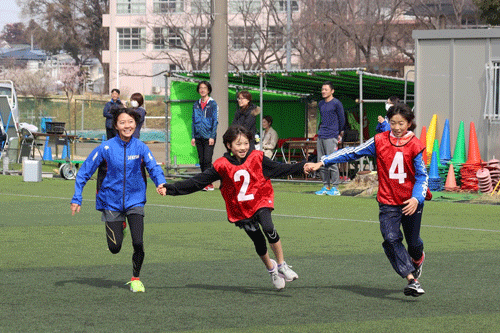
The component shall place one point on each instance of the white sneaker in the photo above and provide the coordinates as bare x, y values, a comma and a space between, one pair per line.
278, 281
287, 272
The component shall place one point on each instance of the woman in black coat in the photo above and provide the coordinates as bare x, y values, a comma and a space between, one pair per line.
246, 114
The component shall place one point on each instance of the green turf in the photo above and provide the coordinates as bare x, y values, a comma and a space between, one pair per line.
201, 273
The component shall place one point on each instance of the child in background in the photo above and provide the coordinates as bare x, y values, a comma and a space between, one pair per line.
245, 177
383, 123
403, 187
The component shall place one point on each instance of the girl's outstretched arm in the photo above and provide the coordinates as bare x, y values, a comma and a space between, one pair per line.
193, 184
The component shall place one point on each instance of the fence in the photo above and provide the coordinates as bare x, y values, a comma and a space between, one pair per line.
82, 114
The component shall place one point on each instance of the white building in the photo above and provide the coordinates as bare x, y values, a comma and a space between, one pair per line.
150, 37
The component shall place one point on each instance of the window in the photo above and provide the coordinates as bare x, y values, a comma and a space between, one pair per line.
167, 38
200, 6
244, 38
492, 107
168, 6
276, 37
201, 37
280, 5
130, 6
244, 6
132, 38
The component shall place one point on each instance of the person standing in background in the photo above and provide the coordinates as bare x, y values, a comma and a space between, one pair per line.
204, 127
383, 123
114, 103
269, 138
246, 114
137, 102
329, 134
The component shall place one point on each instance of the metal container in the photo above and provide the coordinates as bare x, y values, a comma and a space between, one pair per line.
32, 170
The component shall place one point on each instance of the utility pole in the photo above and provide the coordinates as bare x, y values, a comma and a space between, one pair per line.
218, 68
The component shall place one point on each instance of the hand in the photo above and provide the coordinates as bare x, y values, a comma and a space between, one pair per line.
380, 119
411, 206
161, 190
310, 167
193, 142
211, 142
75, 208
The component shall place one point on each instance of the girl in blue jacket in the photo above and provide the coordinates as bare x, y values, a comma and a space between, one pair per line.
122, 193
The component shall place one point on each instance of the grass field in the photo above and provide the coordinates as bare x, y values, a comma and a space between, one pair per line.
202, 275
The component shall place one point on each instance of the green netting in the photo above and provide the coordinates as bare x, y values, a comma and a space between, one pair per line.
288, 114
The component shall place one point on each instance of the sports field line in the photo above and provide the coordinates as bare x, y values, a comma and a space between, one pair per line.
275, 214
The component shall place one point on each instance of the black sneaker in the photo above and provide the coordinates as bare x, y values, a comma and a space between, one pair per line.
418, 268
414, 289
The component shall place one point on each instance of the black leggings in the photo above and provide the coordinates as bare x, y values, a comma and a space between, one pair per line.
263, 218
114, 233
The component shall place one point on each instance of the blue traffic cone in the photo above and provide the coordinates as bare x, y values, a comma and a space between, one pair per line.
103, 138
433, 172
47, 151
445, 150
65, 152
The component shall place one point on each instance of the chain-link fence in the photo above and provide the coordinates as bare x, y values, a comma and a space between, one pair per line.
82, 114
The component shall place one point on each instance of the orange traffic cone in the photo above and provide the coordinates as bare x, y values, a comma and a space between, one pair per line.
474, 157
423, 137
451, 183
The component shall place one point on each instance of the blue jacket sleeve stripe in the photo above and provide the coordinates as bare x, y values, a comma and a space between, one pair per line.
85, 172
421, 179
350, 153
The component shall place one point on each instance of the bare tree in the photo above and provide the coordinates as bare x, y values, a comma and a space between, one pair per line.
70, 80
181, 38
319, 43
72, 26
257, 34
443, 14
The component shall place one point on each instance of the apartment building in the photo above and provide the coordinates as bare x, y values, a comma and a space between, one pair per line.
150, 37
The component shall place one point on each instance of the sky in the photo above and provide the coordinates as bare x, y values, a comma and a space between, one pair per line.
9, 12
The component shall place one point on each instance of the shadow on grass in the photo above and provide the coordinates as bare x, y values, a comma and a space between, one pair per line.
374, 292
93, 282
240, 289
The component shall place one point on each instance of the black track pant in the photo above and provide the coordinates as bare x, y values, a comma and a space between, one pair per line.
114, 233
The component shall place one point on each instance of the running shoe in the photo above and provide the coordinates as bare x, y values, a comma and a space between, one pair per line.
413, 288
287, 272
333, 191
418, 266
210, 187
322, 191
278, 281
136, 286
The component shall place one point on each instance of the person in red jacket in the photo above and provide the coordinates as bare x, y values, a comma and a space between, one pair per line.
245, 177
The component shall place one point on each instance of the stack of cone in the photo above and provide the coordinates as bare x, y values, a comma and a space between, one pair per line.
431, 135
423, 139
459, 152
435, 182
451, 184
470, 168
442, 169
493, 167
484, 180
474, 155
445, 151
47, 151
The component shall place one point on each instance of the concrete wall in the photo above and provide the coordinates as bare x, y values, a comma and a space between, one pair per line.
451, 82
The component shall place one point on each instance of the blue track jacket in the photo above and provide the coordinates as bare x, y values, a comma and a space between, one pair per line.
368, 149
204, 122
124, 185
